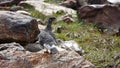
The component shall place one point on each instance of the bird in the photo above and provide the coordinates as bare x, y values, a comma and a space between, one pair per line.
47, 39
114, 1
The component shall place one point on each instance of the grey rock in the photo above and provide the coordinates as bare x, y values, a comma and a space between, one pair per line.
72, 46
15, 27
114, 1
46, 8
14, 58
14, 46
97, 1
70, 4
33, 47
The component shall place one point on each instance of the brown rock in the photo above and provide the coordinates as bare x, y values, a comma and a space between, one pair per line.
105, 16
97, 1
86, 2
15, 56
70, 4
15, 27
75, 4
4, 8
68, 18
82, 2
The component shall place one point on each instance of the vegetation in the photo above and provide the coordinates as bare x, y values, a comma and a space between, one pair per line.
99, 48
54, 1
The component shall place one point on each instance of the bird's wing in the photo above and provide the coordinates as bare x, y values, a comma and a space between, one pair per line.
46, 38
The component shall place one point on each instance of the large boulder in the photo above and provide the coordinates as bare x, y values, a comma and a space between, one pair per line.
9, 2
104, 16
12, 55
48, 9
17, 27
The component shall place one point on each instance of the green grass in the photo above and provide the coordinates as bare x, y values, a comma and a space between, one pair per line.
99, 48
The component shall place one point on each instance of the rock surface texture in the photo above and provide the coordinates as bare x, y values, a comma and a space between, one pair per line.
48, 9
17, 27
105, 16
75, 4
9, 2
13, 55
70, 4
97, 1
114, 1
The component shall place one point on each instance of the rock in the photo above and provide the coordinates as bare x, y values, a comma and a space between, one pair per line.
15, 27
72, 46
48, 9
68, 18
97, 1
33, 47
14, 46
116, 60
75, 4
70, 4
4, 8
23, 12
41, 27
9, 2
104, 16
16, 57
82, 2
114, 1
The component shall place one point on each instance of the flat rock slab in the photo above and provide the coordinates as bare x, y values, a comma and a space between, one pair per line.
12, 55
15, 27
48, 9
105, 16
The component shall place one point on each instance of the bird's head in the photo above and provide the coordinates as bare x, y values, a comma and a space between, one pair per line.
51, 19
